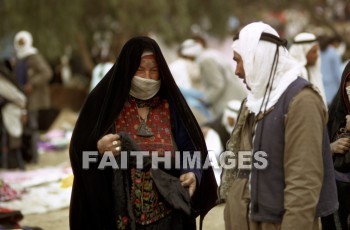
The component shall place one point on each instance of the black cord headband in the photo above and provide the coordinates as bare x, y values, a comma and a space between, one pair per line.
305, 41
279, 42
269, 38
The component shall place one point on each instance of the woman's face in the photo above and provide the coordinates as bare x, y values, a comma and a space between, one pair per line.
148, 68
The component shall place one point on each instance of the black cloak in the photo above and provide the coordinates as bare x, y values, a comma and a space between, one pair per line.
92, 195
340, 107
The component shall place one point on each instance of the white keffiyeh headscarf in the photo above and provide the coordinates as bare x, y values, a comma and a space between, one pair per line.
23, 44
258, 56
303, 43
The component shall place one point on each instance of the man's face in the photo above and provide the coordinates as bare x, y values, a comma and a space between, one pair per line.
239, 67
312, 56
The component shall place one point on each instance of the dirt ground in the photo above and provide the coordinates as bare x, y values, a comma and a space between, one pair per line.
54, 220
58, 220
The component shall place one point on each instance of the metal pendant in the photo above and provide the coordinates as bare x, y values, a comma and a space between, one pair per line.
143, 130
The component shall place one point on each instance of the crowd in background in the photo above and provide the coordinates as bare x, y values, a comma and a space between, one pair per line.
204, 74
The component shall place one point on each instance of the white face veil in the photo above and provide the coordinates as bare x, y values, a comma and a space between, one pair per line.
143, 88
258, 58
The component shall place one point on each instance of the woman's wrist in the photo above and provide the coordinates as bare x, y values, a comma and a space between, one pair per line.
332, 148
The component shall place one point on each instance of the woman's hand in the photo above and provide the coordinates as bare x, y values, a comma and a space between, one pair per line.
109, 143
340, 146
188, 180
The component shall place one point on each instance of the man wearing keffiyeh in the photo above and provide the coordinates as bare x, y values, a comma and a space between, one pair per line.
305, 49
297, 186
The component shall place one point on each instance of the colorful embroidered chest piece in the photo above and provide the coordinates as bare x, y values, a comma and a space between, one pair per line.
148, 206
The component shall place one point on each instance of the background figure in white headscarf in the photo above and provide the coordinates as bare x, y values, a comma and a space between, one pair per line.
33, 74
186, 75
184, 71
216, 72
305, 49
104, 64
218, 131
225, 123
331, 65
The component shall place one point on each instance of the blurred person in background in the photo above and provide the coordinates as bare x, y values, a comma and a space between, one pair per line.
33, 75
224, 123
64, 71
212, 141
331, 64
339, 134
105, 63
12, 117
217, 132
219, 81
184, 70
305, 49
186, 75
138, 106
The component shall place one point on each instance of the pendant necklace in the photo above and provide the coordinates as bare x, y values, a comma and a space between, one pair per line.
143, 130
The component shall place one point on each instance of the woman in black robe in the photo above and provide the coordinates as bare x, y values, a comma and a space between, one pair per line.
103, 199
339, 135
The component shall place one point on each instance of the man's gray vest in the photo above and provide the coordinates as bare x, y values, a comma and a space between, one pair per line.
267, 185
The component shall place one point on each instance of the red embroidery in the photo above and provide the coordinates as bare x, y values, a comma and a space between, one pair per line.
147, 206
158, 121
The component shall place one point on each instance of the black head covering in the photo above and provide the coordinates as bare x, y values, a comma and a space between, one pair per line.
340, 106
91, 203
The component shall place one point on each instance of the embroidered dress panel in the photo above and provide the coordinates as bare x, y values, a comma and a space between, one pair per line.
148, 206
